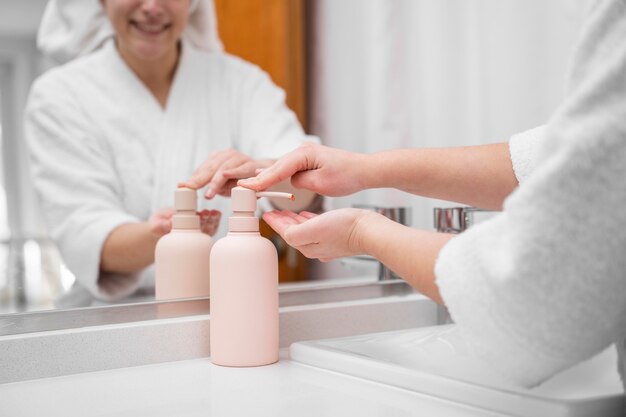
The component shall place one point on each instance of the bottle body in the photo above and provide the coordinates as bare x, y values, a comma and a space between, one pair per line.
244, 301
182, 264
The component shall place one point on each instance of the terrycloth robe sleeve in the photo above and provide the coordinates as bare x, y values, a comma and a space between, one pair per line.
77, 185
542, 285
523, 148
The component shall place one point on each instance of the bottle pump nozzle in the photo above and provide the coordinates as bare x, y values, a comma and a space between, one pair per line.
243, 202
276, 194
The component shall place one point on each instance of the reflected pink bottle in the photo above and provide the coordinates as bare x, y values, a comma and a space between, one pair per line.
181, 257
244, 289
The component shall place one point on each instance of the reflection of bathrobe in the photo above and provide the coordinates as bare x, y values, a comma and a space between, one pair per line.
105, 153
543, 284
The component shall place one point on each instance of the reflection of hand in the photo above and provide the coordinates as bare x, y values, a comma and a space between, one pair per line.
221, 170
161, 221
327, 171
209, 221
327, 236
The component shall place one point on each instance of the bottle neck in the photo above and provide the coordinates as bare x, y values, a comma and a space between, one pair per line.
243, 221
185, 220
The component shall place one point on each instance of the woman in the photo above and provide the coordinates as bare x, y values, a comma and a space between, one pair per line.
113, 132
542, 285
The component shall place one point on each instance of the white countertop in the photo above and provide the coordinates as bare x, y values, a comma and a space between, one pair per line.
199, 388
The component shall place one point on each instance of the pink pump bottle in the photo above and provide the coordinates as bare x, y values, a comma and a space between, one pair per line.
181, 257
244, 288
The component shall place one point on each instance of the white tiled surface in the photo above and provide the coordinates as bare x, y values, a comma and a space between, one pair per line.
198, 388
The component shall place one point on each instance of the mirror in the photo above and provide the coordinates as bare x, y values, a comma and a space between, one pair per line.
361, 75
34, 274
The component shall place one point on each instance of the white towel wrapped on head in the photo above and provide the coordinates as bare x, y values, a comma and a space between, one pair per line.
72, 28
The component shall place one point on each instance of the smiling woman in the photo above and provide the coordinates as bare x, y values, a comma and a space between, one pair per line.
147, 36
147, 97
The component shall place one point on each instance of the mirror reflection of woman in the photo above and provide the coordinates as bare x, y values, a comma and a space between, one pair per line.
146, 100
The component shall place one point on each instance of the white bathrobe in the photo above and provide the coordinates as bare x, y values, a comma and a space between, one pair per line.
543, 284
104, 153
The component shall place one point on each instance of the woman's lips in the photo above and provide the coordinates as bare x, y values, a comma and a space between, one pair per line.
150, 29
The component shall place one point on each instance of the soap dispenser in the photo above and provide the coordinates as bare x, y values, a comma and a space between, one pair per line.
244, 288
181, 257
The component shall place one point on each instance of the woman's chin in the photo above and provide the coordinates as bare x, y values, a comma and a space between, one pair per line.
151, 52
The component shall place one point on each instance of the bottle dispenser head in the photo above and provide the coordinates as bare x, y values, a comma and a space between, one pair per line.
185, 200
185, 203
243, 201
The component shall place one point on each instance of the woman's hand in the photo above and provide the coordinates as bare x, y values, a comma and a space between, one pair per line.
130, 247
326, 171
160, 222
221, 170
410, 253
209, 221
327, 236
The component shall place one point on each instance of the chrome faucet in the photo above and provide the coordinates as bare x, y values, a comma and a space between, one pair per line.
455, 219
400, 215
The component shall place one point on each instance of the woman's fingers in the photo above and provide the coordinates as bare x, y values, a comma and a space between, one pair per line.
161, 226
326, 236
308, 214
227, 178
161, 221
209, 221
248, 169
316, 237
244, 170
218, 181
291, 227
207, 170
298, 160
240, 169
298, 218
226, 190
279, 222
211, 171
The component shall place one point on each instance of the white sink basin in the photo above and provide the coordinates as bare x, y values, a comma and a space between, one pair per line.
429, 360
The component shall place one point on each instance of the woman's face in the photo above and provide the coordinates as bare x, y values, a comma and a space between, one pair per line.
147, 29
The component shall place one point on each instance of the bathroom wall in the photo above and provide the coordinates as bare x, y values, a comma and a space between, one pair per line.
413, 73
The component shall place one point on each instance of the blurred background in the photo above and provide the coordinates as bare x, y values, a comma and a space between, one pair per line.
363, 75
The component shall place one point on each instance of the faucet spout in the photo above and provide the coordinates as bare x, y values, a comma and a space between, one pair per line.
455, 219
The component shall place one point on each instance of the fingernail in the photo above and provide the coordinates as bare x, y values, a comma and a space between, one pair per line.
209, 193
